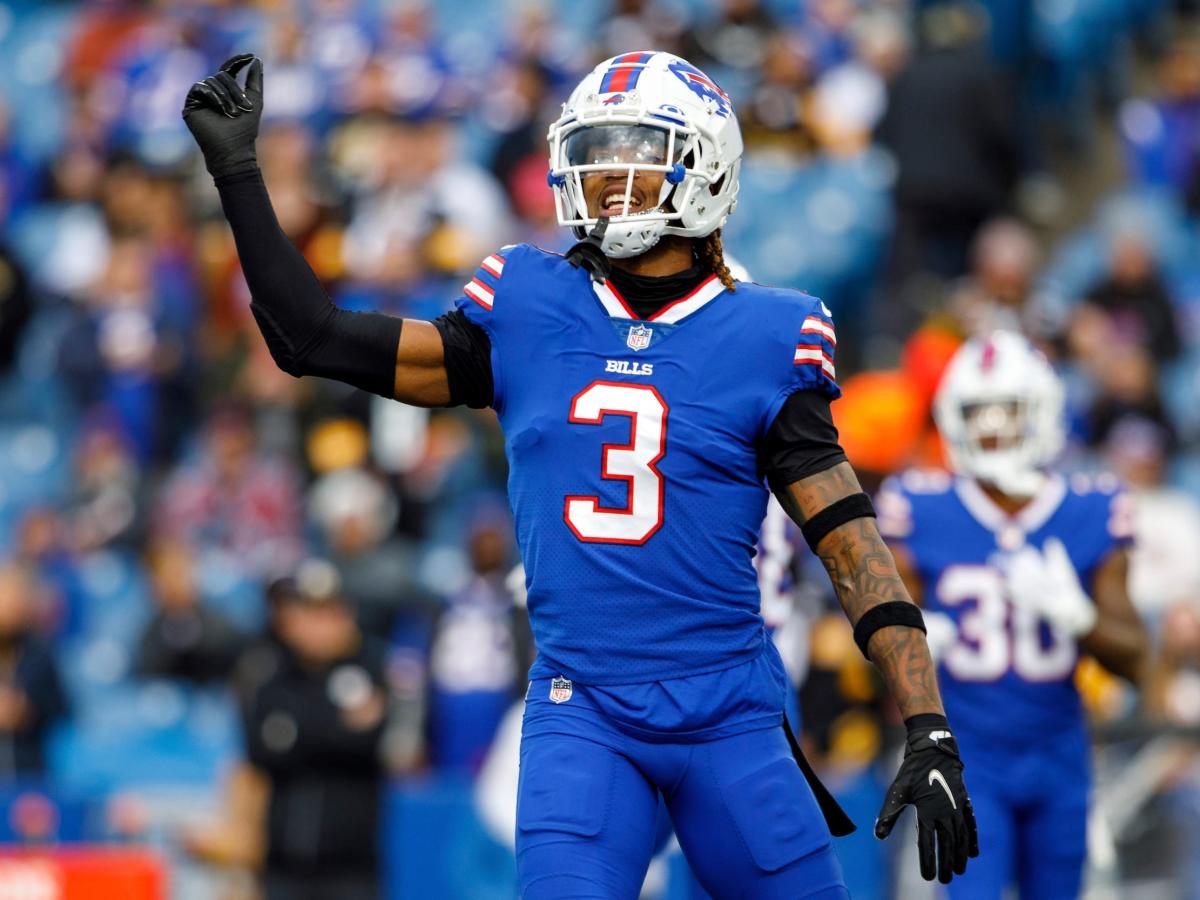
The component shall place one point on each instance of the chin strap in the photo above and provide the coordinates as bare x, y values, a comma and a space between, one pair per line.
587, 253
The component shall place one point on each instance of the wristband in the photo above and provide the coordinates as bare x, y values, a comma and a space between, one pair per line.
894, 612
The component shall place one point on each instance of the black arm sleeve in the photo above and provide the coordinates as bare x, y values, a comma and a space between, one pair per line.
802, 441
468, 360
306, 334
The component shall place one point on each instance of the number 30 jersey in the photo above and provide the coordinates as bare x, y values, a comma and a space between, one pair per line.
632, 452
1006, 675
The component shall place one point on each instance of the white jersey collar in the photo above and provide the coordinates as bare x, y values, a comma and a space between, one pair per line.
1029, 518
674, 312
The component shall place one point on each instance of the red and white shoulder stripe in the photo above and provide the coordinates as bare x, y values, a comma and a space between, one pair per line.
818, 340
814, 355
482, 286
820, 327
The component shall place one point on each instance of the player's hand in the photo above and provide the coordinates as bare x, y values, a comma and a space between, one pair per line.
1047, 585
930, 778
223, 118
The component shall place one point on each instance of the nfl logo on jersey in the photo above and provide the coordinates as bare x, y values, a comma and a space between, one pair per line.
560, 690
639, 337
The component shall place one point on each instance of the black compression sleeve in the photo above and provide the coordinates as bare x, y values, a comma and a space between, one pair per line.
306, 334
468, 360
802, 441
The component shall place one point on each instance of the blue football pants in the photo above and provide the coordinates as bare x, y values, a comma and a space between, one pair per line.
1031, 807
587, 799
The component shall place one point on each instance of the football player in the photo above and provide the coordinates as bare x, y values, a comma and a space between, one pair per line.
1019, 568
643, 395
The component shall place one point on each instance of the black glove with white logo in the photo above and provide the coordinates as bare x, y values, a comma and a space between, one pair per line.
930, 778
223, 118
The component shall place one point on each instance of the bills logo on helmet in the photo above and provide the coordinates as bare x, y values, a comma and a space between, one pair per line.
615, 98
638, 337
702, 86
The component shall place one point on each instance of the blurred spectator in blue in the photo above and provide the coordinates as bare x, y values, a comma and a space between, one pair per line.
338, 38
123, 351
153, 69
414, 65
355, 512
849, 98
828, 24
315, 727
105, 504
421, 214
18, 186
69, 237
480, 652
184, 639
534, 34
296, 90
229, 497
31, 691
1162, 134
951, 127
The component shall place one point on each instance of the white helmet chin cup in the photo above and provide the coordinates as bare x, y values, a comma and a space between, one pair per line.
1002, 368
625, 239
700, 162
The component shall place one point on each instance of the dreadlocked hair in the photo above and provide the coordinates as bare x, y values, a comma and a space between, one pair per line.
711, 254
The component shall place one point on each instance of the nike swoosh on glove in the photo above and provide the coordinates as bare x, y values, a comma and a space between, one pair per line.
223, 118
930, 778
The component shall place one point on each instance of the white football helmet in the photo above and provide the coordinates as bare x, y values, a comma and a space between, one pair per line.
1000, 409
649, 112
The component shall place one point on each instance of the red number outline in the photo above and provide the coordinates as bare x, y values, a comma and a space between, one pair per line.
652, 465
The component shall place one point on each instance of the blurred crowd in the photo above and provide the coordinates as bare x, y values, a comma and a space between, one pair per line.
169, 499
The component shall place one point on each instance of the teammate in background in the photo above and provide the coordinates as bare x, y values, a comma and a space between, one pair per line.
1024, 567
643, 394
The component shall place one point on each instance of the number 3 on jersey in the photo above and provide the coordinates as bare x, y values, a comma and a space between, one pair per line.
635, 463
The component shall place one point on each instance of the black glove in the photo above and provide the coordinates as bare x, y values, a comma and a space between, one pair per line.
930, 778
224, 119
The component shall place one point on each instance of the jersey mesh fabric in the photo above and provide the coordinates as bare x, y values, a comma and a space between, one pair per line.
682, 598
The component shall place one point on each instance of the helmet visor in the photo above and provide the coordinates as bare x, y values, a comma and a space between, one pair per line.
996, 425
621, 145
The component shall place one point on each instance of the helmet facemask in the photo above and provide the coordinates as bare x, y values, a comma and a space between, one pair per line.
999, 445
589, 152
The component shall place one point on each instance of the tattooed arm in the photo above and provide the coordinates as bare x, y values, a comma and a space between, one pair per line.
864, 574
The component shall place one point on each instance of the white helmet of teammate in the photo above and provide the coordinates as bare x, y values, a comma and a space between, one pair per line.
1000, 409
647, 112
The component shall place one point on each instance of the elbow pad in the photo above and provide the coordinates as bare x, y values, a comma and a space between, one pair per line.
356, 348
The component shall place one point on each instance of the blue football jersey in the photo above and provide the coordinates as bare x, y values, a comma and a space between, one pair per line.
1008, 674
633, 471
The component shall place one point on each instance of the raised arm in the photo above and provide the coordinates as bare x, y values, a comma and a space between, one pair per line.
305, 332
